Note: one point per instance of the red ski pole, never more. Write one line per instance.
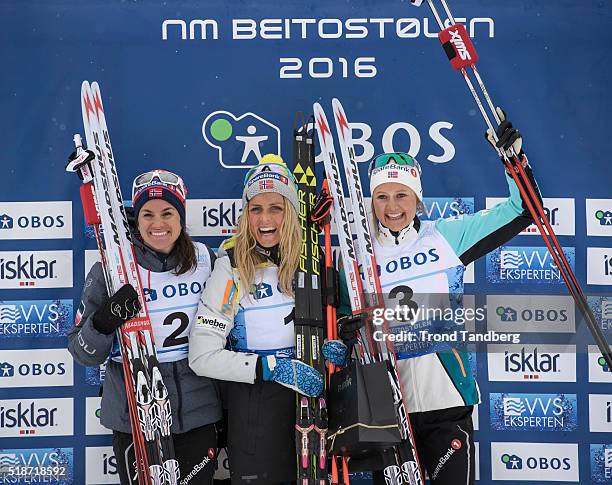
(462, 54)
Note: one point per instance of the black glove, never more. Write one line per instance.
(348, 327)
(119, 308)
(507, 136)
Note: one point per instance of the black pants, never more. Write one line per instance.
(195, 450)
(261, 433)
(445, 444)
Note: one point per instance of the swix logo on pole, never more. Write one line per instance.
(458, 46)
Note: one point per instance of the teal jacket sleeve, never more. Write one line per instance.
(472, 236)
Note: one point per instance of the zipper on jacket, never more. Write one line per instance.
(458, 357)
(179, 407)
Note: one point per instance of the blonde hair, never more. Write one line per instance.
(247, 259)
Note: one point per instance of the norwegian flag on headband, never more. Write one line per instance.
(392, 175)
(266, 184)
(155, 192)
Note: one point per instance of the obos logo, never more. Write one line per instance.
(556, 462)
(601, 463)
(545, 363)
(100, 465)
(240, 141)
(413, 261)
(24, 368)
(41, 465)
(600, 413)
(443, 207)
(531, 313)
(559, 212)
(514, 264)
(538, 412)
(36, 220)
(599, 217)
(35, 318)
(261, 291)
(599, 266)
(213, 217)
(599, 370)
(39, 417)
(40, 269)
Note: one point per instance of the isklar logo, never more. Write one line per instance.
(512, 462)
(240, 140)
(607, 265)
(604, 217)
(511, 259)
(6, 221)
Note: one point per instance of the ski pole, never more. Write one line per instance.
(461, 53)
(321, 214)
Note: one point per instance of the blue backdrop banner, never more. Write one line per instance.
(205, 88)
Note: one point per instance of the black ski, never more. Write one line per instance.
(311, 414)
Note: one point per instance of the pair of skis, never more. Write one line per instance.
(359, 265)
(462, 56)
(148, 402)
(311, 413)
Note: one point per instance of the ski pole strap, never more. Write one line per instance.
(458, 46)
(322, 206)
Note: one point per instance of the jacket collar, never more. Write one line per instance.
(387, 237)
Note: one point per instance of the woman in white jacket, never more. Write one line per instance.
(244, 329)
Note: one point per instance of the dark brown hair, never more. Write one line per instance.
(185, 253)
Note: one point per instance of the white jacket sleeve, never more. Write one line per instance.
(213, 323)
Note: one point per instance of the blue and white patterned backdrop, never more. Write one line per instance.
(202, 88)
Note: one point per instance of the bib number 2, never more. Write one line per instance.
(173, 339)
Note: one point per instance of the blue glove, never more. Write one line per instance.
(293, 374)
(335, 352)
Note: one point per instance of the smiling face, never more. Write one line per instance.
(394, 205)
(266, 214)
(159, 225)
